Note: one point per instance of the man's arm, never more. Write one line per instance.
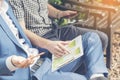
(55, 47)
(35, 39)
(4, 70)
(55, 13)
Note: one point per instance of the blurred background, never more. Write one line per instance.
(103, 15)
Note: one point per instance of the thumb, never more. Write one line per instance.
(17, 60)
(65, 42)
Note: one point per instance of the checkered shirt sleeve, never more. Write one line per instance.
(17, 9)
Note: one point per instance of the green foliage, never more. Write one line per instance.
(55, 1)
(65, 21)
(62, 21)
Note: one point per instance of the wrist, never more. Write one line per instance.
(48, 45)
(9, 64)
(58, 14)
(12, 61)
(45, 43)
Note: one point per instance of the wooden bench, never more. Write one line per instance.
(101, 17)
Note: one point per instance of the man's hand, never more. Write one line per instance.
(21, 62)
(58, 48)
(67, 14)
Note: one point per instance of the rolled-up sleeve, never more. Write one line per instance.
(3, 67)
(9, 64)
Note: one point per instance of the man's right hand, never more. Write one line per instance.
(58, 48)
(21, 62)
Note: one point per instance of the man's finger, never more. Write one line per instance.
(38, 55)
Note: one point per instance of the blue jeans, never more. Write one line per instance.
(69, 32)
(93, 55)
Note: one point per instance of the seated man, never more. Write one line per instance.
(33, 15)
(17, 54)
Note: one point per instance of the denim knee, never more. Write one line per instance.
(91, 38)
(104, 39)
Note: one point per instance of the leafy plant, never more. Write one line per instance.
(64, 21)
(55, 1)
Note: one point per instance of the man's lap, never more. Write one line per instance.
(69, 32)
(45, 73)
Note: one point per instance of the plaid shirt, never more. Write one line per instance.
(35, 14)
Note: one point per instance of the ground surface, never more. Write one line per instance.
(115, 69)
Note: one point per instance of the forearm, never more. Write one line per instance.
(53, 12)
(37, 40)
